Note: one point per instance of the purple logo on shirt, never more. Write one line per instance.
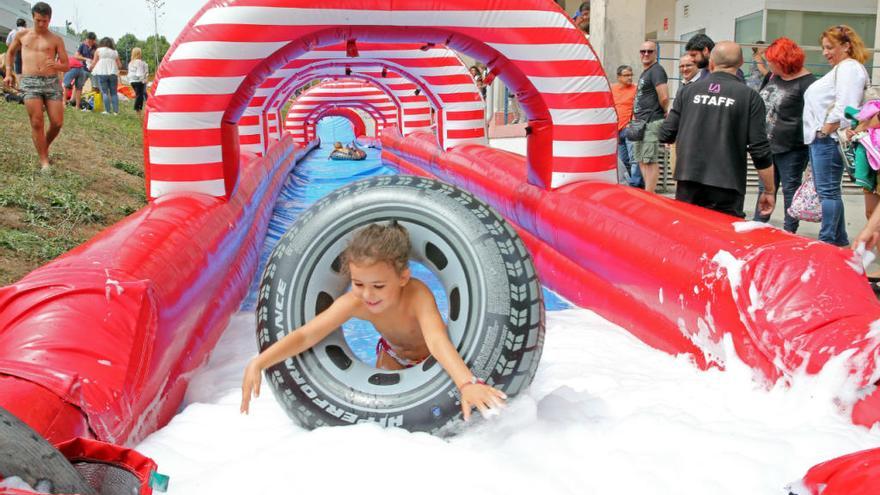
(715, 88)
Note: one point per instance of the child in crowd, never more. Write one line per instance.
(401, 308)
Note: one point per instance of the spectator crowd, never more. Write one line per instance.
(802, 132)
(37, 71)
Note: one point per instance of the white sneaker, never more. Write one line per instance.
(84, 110)
(104, 113)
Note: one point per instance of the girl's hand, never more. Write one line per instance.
(250, 384)
(828, 129)
(868, 237)
(483, 397)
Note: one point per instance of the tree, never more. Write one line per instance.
(150, 50)
(124, 46)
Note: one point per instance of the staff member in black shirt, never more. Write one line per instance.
(714, 121)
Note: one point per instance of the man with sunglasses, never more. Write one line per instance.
(652, 101)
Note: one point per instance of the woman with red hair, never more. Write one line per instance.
(783, 95)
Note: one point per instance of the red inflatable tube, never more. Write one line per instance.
(104, 338)
(677, 276)
(853, 474)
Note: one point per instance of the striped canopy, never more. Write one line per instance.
(217, 66)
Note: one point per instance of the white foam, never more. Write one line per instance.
(605, 414)
(732, 267)
(749, 226)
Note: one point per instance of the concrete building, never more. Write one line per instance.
(619, 26)
(10, 10)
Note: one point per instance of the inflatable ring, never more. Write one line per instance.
(354, 155)
(496, 307)
(25, 454)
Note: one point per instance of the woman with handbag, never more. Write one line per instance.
(824, 104)
(783, 95)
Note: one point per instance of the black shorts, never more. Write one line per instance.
(17, 63)
(728, 201)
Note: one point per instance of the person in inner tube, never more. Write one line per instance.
(400, 307)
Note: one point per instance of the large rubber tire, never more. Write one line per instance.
(496, 309)
(25, 454)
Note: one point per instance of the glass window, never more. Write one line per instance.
(805, 27)
(686, 37)
(748, 31)
(749, 28)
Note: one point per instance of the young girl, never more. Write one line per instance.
(401, 308)
(137, 77)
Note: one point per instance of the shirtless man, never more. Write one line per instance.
(43, 57)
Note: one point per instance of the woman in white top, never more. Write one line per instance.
(824, 103)
(137, 77)
(105, 67)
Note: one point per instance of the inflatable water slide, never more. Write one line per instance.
(97, 347)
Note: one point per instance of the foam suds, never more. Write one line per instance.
(606, 414)
(749, 226)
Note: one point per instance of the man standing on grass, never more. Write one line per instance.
(43, 57)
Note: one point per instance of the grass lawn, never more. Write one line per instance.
(96, 180)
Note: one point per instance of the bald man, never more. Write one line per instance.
(714, 122)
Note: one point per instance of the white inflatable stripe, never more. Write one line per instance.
(185, 85)
(581, 84)
(578, 149)
(172, 121)
(445, 89)
(466, 106)
(414, 104)
(544, 52)
(376, 56)
(210, 187)
(464, 124)
(317, 98)
(266, 91)
(185, 155)
(249, 130)
(281, 16)
(587, 116)
(225, 50)
(559, 179)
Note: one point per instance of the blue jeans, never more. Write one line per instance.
(107, 85)
(624, 156)
(827, 173)
(789, 172)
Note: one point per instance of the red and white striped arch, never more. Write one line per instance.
(358, 126)
(301, 119)
(436, 72)
(231, 47)
(338, 94)
(320, 112)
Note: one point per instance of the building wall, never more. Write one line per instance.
(10, 10)
(840, 6)
(716, 17)
(616, 32)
